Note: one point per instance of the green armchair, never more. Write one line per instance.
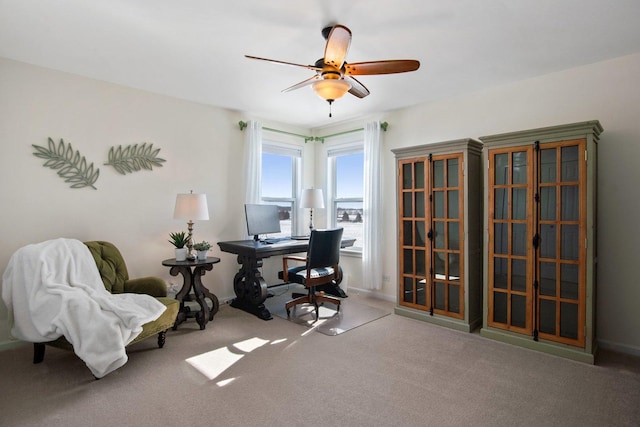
(115, 277)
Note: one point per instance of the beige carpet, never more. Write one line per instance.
(331, 321)
(395, 371)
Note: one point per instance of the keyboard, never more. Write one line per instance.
(272, 240)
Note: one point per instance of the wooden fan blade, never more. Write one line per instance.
(310, 67)
(302, 84)
(337, 46)
(381, 67)
(357, 88)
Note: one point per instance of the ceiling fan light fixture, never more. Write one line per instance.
(330, 89)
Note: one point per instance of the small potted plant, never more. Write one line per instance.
(202, 249)
(180, 240)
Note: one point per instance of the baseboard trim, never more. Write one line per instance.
(11, 344)
(457, 324)
(619, 348)
(556, 349)
(372, 293)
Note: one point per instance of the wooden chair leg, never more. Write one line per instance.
(38, 352)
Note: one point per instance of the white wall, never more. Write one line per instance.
(606, 91)
(202, 145)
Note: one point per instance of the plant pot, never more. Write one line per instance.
(202, 255)
(181, 254)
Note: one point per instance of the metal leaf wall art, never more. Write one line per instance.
(134, 157)
(72, 167)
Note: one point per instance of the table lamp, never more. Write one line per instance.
(311, 198)
(191, 207)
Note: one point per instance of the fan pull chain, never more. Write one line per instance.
(330, 102)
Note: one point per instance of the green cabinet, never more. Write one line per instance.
(439, 208)
(540, 246)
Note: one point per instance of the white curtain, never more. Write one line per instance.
(372, 250)
(253, 161)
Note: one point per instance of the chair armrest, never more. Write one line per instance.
(154, 286)
(285, 263)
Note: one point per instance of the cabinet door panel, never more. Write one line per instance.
(454, 298)
(407, 289)
(421, 292)
(519, 275)
(547, 316)
(408, 261)
(407, 176)
(569, 241)
(453, 205)
(500, 273)
(413, 237)
(569, 320)
(421, 236)
(519, 311)
(519, 239)
(407, 232)
(548, 278)
(407, 205)
(419, 203)
(511, 233)
(569, 281)
(562, 235)
(448, 213)
(419, 174)
(500, 307)
(548, 203)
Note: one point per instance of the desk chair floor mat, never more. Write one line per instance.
(331, 322)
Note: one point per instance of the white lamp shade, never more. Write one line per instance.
(191, 206)
(311, 198)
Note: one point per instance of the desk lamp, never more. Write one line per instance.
(311, 198)
(191, 207)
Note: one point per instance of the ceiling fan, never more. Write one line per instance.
(334, 76)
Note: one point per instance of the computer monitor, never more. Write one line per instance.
(262, 219)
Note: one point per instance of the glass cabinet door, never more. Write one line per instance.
(562, 229)
(413, 240)
(446, 217)
(510, 236)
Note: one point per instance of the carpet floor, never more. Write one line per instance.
(394, 371)
(331, 321)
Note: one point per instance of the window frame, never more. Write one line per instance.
(352, 147)
(270, 146)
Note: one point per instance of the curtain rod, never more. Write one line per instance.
(306, 138)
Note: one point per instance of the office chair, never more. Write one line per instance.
(321, 267)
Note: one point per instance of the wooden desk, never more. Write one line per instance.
(191, 271)
(248, 283)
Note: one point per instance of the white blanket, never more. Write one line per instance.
(54, 288)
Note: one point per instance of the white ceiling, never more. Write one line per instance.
(194, 49)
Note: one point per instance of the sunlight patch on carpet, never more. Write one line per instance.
(213, 363)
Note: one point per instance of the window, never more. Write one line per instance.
(280, 183)
(346, 184)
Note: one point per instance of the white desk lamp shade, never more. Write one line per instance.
(191, 206)
(312, 198)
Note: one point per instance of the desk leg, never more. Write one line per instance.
(250, 288)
